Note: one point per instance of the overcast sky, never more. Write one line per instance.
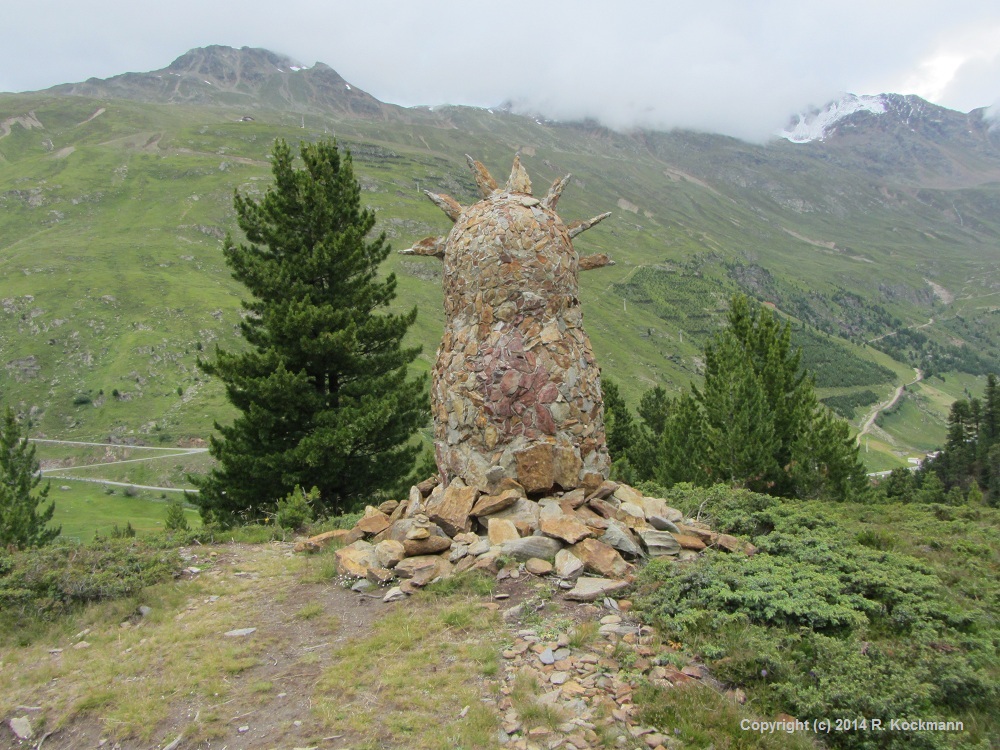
(739, 67)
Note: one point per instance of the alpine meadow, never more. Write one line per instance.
(767, 517)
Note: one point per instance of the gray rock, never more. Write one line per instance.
(568, 565)
(660, 543)
(394, 594)
(548, 507)
(479, 548)
(619, 537)
(362, 585)
(21, 727)
(523, 511)
(531, 546)
(547, 657)
(662, 524)
(239, 632)
(145, 611)
(514, 613)
(591, 589)
(617, 629)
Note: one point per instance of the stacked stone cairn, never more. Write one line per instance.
(515, 382)
(589, 539)
(518, 420)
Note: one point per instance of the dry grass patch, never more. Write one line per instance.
(418, 681)
(173, 671)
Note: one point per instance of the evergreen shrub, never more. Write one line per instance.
(822, 622)
(295, 510)
(49, 581)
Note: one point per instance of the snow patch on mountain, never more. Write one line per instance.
(814, 125)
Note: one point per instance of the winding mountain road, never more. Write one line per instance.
(879, 408)
(56, 473)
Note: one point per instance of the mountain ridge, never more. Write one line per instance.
(246, 78)
(245, 71)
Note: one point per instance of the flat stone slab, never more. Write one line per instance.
(570, 530)
(660, 543)
(591, 589)
(525, 548)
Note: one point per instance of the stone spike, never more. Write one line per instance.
(484, 180)
(578, 227)
(597, 260)
(518, 182)
(446, 203)
(550, 200)
(432, 246)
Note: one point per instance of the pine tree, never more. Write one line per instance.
(683, 453)
(22, 524)
(740, 426)
(989, 432)
(644, 454)
(756, 421)
(175, 520)
(619, 426)
(955, 464)
(322, 391)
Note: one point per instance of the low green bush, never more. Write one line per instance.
(345, 521)
(830, 620)
(49, 581)
(295, 510)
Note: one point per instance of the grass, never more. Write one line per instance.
(409, 681)
(177, 652)
(583, 634)
(915, 422)
(700, 717)
(405, 679)
(86, 509)
(524, 695)
(471, 583)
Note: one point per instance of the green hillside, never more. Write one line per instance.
(112, 213)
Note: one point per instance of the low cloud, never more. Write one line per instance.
(726, 66)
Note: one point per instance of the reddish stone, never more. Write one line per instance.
(601, 559)
(535, 467)
(568, 529)
(689, 542)
(545, 421)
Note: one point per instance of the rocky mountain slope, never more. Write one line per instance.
(115, 194)
(249, 79)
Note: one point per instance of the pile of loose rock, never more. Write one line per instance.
(591, 539)
(589, 684)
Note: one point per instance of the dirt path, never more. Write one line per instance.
(265, 678)
(116, 446)
(879, 408)
(930, 322)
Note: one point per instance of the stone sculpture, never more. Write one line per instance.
(516, 392)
